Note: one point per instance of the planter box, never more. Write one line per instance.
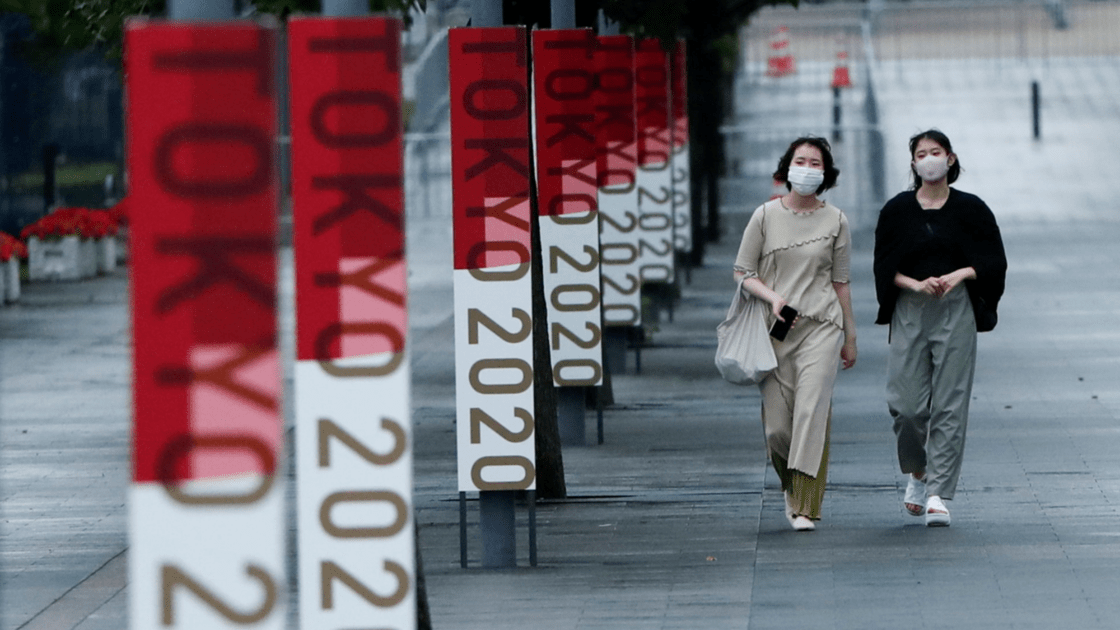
(54, 259)
(106, 254)
(10, 273)
(88, 253)
(122, 246)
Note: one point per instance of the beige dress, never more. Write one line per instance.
(799, 256)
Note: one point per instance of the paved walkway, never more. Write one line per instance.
(675, 521)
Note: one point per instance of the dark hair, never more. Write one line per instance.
(830, 170)
(941, 139)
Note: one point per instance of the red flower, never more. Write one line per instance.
(11, 246)
(81, 222)
(119, 212)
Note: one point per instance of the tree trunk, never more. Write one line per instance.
(706, 91)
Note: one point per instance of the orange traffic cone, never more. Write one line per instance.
(841, 78)
(780, 62)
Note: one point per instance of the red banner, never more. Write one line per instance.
(616, 140)
(565, 82)
(206, 505)
(494, 367)
(351, 378)
(490, 146)
(615, 126)
(201, 119)
(565, 89)
(347, 187)
(680, 96)
(651, 79)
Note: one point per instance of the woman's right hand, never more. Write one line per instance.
(929, 286)
(776, 306)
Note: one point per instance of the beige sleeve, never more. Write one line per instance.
(841, 253)
(750, 249)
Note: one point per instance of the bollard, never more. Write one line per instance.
(836, 113)
(570, 405)
(499, 535)
(615, 340)
(1035, 102)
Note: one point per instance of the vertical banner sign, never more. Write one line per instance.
(206, 506)
(564, 89)
(353, 428)
(655, 176)
(493, 308)
(617, 150)
(682, 181)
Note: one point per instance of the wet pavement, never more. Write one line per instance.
(675, 521)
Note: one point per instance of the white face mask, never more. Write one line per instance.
(804, 180)
(932, 168)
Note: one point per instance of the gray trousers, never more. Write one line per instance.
(930, 368)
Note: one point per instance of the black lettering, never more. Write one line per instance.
(655, 104)
(362, 279)
(258, 61)
(573, 170)
(502, 213)
(476, 253)
(559, 84)
(519, 47)
(611, 176)
(329, 334)
(387, 44)
(510, 86)
(215, 265)
(616, 80)
(356, 198)
(616, 115)
(588, 42)
(615, 149)
(223, 376)
(221, 136)
(557, 203)
(570, 125)
(497, 153)
(343, 140)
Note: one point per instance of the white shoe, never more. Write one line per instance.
(789, 508)
(803, 524)
(915, 495)
(937, 515)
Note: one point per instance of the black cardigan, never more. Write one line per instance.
(975, 239)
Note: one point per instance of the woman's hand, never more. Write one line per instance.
(776, 305)
(848, 353)
(929, 286)
(949, 281)
(755, 287)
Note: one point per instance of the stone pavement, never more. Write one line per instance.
(676, 521)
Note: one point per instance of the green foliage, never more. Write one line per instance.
(78, 24)
(707, 21)
(284, 8)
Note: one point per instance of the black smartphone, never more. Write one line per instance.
(780, 328)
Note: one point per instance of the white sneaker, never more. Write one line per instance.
(803, 524)
(937, 515)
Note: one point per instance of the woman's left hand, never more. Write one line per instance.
(848, 353)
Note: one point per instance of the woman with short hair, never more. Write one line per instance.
(939, 275)
(795, 251)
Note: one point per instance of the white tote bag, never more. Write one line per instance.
(744, 354)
